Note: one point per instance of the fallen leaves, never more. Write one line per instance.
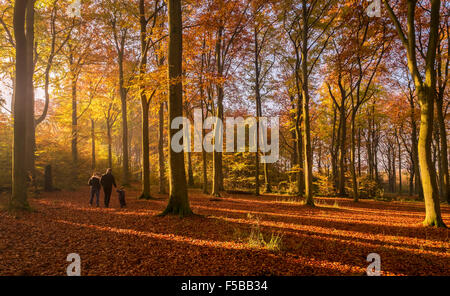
(326, 240)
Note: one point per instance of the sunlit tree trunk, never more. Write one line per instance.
(178, 200)
(305, 109)
(74, 79)
(202, 97)
(109, 140)
(217, 184)
(123, 100)
(342, 147)
(399, 163)
(353, 158)
(425, 89)
(427, 170)
(258, 105)
(144, 104)
(414, 152)
(204, 161)
(93, 166)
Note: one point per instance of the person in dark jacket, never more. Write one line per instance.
(94, 183)
(107, 182)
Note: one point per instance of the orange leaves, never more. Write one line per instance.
(326, 240)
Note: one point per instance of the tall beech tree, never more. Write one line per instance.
(230, 21)
(425, 83)
(18, 198)
(146, 42)
(178, 195)
(309, 31)
(121, 34)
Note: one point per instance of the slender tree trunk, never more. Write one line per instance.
(342, 150)
(217, 185)
(190, 171)
(144, 105)
(359, 152)
(427, 170)
(258, 107)
(298, 132)
(394, 170)
(93, 166)
(414, 152)
(299, 147)
(18, 198)
(109, 137)
(399, 164)
(31, 138)
(178, 200)
(204, 161)
(202, 96)
(353, 158)
(123, 100)
(305, 109)
(162, 164)
(145, 151)
(334, 150)
(74, 127)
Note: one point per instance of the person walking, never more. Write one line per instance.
(94, 183)
(108, 182)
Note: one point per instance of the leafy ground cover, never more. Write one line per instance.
(235, 235)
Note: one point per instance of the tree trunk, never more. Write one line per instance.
(74, 128)
(258, 106)
(217, 185)
(144, 105)
(123, 100)
(204, 163)
(353, 159)
(109, 139)
(425, 89)
(415, 153)
(145, 151)
(305, 109)
(93, 166)
(190, 172)
(162, 164)
(178, 200)
(202, 96)
(342, 150)
(399, 164)
(359, 152)
(427, 170)
(31, 137)
(19, 165)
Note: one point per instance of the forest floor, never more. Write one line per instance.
(334, 238)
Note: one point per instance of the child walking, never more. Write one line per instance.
(121, 192)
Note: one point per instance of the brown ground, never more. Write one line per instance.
(332, 239)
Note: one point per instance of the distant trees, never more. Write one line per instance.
(335, 76)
